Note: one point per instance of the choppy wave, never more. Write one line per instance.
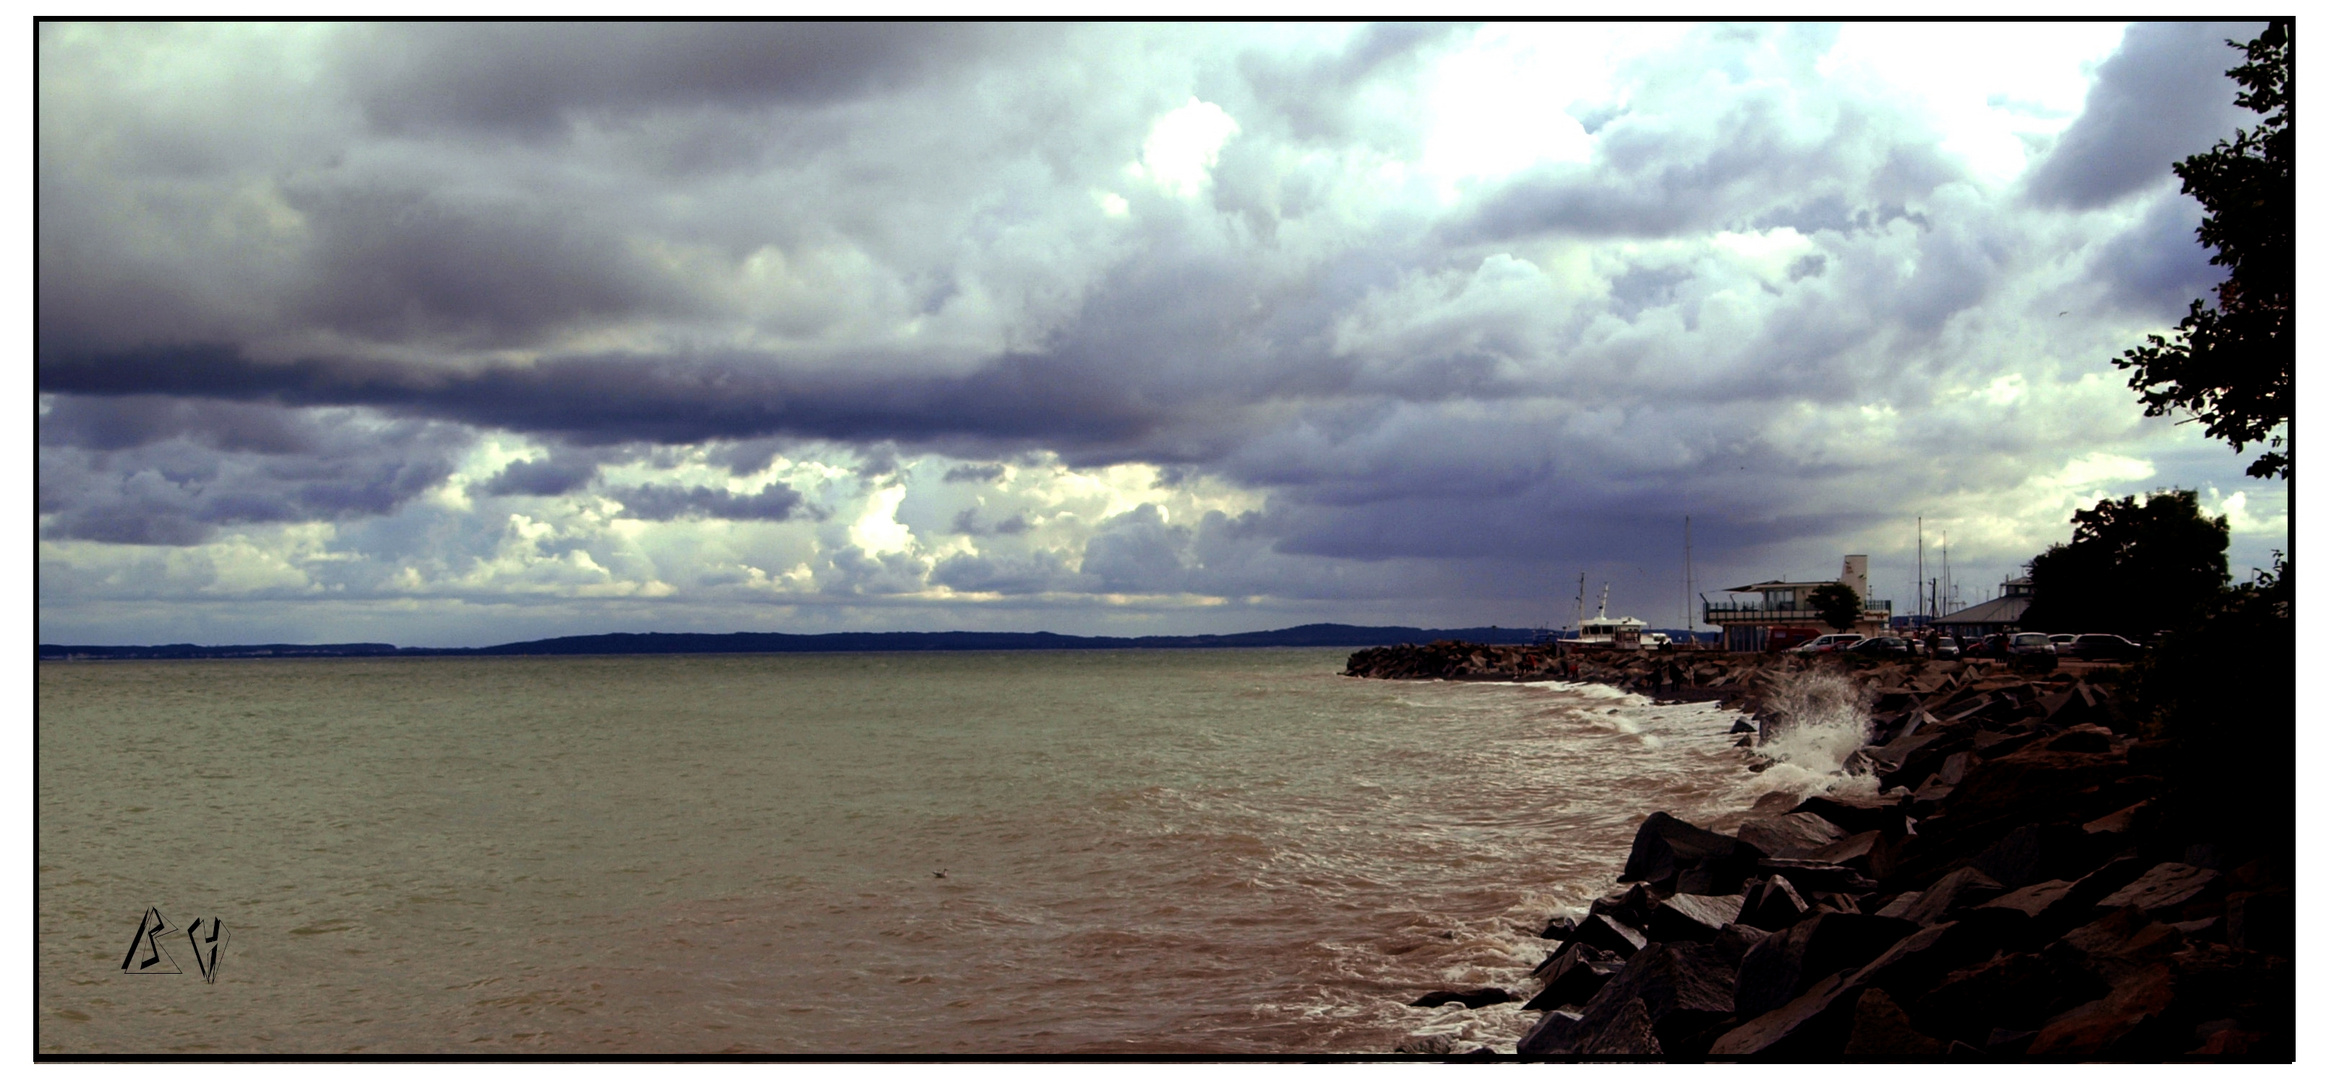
(1002, 853)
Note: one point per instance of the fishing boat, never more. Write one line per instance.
(1603, 632)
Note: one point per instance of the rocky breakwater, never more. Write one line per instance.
(1686, 675)
(2000, 887)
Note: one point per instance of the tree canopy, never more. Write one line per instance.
(1837, 604)
(2131, 568)
(2231, 366)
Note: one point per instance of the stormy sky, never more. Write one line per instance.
(452, 335)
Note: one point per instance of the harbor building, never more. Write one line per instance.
(1778, 614)
(1998, 616)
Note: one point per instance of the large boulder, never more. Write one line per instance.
(2013, 991)
(1776, 970)
(1471, 998)
(2126, 1024)
(1774, 904)
(1962, 888)
(2163, 891)
(1572, 975)
(1611, 934)
(1812, 1026)
(1666, 845)
(1791, 836)
(1687, 917)
(1682, 988)
(1880, 1029)
(1817, 875)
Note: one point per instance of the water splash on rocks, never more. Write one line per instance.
(1811, 724)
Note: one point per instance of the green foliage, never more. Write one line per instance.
(1837, 604)
(2232, 365)
(2222, 691)
(2131, 568)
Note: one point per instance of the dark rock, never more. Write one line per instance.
(2014, 990)
(1816, 876)
(1962, 888)
(1897, 906)
(1572, 975)
(2123, 1024)
(2165, 888)
(2082, 739)
(1791, 836)
(1686, 917)
(1714, 878)
(1476, 997)
(2115, 945)
(1627, 1030)
(1814, 1025)
(1855, 851)
(1773, 905)
(1439, 1045)
(1741, 727)
(2029, 784)
(1631, 906)
(1735, 940)
(1610, 934)
(1666, 845)
(2032, 853)
(1684, 986)
(1777, 968)
(1880, 1029)
(1560, 928)
(1918, 961)
(2125, 822)
(1553, 1030)
(2261, 921)
(1854, 814)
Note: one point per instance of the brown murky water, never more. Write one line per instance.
(1141, 852)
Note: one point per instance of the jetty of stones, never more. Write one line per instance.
(2011, 893)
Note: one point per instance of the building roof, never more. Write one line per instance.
(1767, 586)
(2004, 610)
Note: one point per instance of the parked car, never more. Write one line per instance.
(2033, 650)
(2104, 647)
(1882, 646)
(1830, 642)
(1992, 646)
(1945, 648)
(2061, 642)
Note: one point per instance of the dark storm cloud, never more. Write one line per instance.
(2160, 98)
(2156, 267)
(985, 474)
(533, 78)
(556, 474)
(671, 502)
(603, 399)
(409, 265)
(173, 475)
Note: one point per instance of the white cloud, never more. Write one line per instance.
(1183, 146)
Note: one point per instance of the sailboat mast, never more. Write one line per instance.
(1687, 576)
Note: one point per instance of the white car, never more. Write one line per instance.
(1830, 642)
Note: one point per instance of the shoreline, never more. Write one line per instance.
(2010, 894)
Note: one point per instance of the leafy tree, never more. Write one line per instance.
(2131, 568)
(1837, 604)
(2232, 366)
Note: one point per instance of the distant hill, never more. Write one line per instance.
(1313, 635)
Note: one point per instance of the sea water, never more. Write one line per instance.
(1146, 852)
